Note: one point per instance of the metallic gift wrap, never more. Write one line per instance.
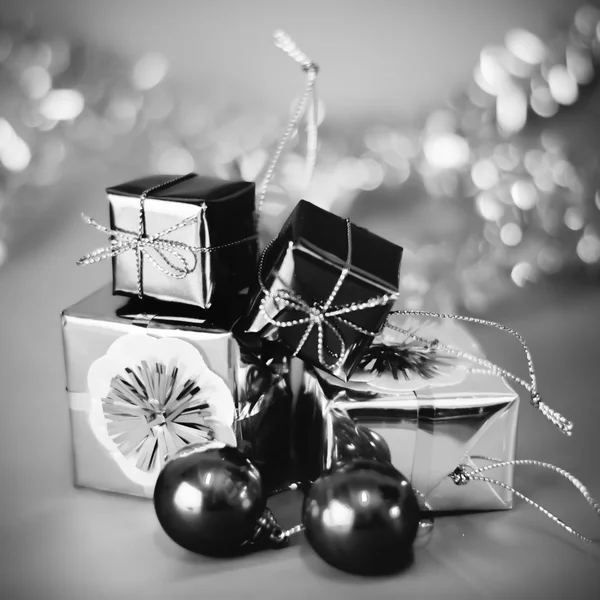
(224, 224)
(260, 390)
(429, 431)
(301, 273)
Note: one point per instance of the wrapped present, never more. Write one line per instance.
(141, 385)
(428, 420)
(186, 239)
(325, 289)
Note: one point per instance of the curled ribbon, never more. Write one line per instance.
(321, 315)
(463, 474)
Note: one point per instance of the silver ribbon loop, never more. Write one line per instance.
(464, 474)
(564, 425)
(180, 258)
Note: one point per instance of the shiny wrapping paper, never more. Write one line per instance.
(260, 391)
(430, 430)
(225, 215)
(307, 259)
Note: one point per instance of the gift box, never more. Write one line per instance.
(143, 383)
(325, 289)
(200, 242)
(428, 426)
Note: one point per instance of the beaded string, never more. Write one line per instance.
(285, 42)
(563, 424)
(464, 474)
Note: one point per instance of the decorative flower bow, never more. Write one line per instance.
(155, 396)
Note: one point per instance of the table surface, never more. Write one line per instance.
(60, 542)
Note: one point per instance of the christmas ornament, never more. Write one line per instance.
(210, 500)
(152, 397)
(362, 518)
(352, 441)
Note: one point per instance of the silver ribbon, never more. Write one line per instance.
(322, 315)
(463, 474)
(487, 367)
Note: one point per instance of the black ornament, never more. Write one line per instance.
(362, 517)
(210, 500)
(352, 441)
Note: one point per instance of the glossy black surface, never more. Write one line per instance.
(320, 250)
(351, 441)
(209, 501)
(362, 518)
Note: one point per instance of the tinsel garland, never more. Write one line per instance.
(523, 200)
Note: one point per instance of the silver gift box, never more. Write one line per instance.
(430, 426)
(223, 220)
(93, 325)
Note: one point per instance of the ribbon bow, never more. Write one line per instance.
(180, 259)
(319, 314)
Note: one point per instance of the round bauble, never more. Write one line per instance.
(209, 499)
(352, 441)
(362, 517)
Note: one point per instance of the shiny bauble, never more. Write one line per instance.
(209, 499)
(362, 517)
(351, 441)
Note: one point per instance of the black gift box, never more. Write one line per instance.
(223, 222)
(304, 263)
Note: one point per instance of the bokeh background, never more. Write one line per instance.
(465, 130)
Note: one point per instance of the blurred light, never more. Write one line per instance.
(580, 65)
(597, 199)
(491, 75)
(574, 218)
(586, 18)
(440, 121)
(488, 207)
(374, 174)
(446, 151)
(395, 510)
(403, 145)
(338, 516)
(506, 156)
(543, 103)
(524, 194)
(511, 109)
(511, 234)
(150, 70)
(525, 46)
(484, 174)
(563, 173)
(533, 160)
(36, 81)
(188, 498)
(550, 260)
(175, 160)
(563, 85)
(588, 248)
(378, 139)
(61, 56)
(551, 141)
(522, 273)
(543, 180)
(62, 105)
(15, 154)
